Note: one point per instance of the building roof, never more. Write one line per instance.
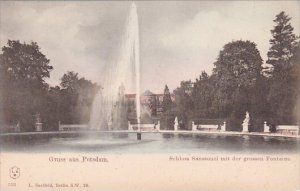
(148, 93)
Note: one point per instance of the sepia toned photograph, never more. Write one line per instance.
(164, 86)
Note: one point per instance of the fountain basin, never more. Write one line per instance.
(124, 142)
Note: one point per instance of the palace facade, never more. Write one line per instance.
(150, 103)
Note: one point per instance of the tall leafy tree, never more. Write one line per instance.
(238, 70)
(51, 109)
(23, 71)
(184, 102)
(295, 76)
(283, 88)
(202, 95)
(70, 81)
(77, 96)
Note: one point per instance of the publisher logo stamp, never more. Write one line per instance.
(14, 172)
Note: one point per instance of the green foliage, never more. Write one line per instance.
(24, 63)
(23, 69)
(238, 84)
(202, 96)
(151, 103)
(76, 97)
(238, 65)
(283, 44)
(167, 106)
(24, 93)
(238, 71)
(283, 82)
(167, 101)
(184, 103)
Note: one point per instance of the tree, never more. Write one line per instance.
(23, 70)
(167, 101)
(51, 110)
(238, 70)
(70, 81)
(25, 62)
(77, 95)
(295, 78)
(184, 103)
(167, 117)
(202, 95)
(152, 104)
(283, 86)
(283, 44)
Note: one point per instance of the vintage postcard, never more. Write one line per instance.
(149, 95)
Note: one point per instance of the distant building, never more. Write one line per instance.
(149, 101)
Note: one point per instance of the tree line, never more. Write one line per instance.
(25, 94)
(241, 82)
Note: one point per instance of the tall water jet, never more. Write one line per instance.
(125, 71)
(136, 54)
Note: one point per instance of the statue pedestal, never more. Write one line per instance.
(130, 128)
(245, 127)
(176, 124)
(266, 128)
(223, 127)
(246, 123)
(38, 122)
(158, 126)
(38, 127)
(194, 127)
(176, 127)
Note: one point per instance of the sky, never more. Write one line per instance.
(178, 39)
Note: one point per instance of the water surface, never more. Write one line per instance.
(158, 143)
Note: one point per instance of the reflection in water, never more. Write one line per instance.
(167, 135)
(119, 143)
